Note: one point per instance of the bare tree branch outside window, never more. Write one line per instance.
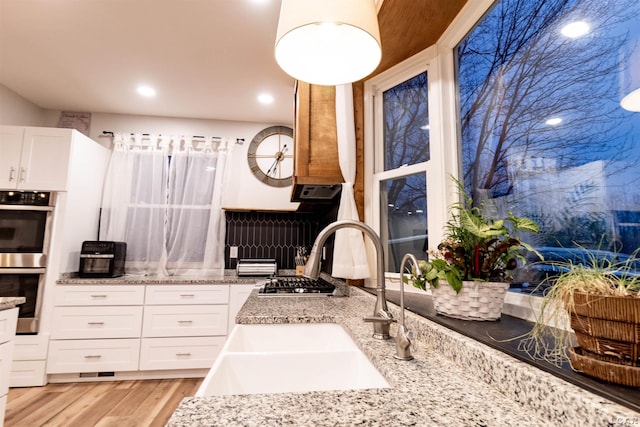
(542, 130)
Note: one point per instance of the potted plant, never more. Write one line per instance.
(469, 272)
(599, 298)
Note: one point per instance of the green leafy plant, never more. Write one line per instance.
(476, 247)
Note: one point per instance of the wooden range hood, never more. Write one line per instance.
(406, 27)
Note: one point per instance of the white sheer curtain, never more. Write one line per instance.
(163, 197)
(349, 256)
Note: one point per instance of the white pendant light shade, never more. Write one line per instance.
(328, 42)
(631, 102)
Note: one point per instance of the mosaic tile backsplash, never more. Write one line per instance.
(270, 235)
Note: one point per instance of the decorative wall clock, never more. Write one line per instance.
(270, 156)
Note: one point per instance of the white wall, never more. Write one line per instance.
(15, 110)
(241, 189)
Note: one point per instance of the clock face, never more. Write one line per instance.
(270, 156)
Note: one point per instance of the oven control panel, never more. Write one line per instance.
(30, 198)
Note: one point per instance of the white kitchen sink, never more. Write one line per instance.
(289, 337)
(289, 358)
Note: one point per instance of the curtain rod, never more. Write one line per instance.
(238, 140)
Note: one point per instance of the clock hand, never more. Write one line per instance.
(272, 168)
(279, 157)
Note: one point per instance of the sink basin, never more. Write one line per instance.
(289, 337)
(286, 358)
(251, 373)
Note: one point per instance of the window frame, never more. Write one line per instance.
(444, 129)
(374, 147)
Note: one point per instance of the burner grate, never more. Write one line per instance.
(296, 286)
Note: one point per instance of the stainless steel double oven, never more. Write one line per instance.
(25, 232)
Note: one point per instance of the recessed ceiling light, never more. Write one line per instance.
(554, 121)
(147, 91)
(575, 29)
(265, 98)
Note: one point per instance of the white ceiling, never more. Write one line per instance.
(206, 58)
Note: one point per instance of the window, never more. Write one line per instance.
(164, 201)
(542, 130)
(400, 156)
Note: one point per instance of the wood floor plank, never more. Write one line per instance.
(186, 387)
(40, 407)
(136, 394)
(142, 403)
(156, 401)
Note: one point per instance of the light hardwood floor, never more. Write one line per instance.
(114, 403)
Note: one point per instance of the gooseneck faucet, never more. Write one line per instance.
(381, 318)
(403, 343)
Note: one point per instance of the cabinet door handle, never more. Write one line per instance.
(95, 323)
(185, 322)
(12, 171)
(93, 356)
(23, 171)
(183, 354)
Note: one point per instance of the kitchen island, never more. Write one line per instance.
(8, 320)
(453, 380)
(7, 303)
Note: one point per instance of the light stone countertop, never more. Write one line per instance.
(229, 278)
(7, 303)
(453, 380)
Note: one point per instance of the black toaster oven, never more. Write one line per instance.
(102, 259)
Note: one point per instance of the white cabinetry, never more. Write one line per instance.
(8, 319)
(72, 165)
(237, 297)
(184, 326)
(140, 331)
(95, 329)
(35, 158)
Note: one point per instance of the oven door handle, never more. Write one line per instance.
(5, 270)
(26, 208)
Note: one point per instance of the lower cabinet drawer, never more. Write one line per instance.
(96, 322)
(184, 320)
(8, 319)
(70, 356)
(6, 353)
(28, 373)
(179, 353)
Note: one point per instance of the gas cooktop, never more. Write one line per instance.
(296, 286)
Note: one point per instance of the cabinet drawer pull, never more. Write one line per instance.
(95, 323)
(93, 356)
(183, 354)
(98, 296)
(186, 322)
(187, 295)
(12, 171)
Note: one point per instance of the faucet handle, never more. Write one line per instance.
(384, 320)
(403, 343)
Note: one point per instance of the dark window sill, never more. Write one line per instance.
(500, 334)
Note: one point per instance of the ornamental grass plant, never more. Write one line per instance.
(551, 338)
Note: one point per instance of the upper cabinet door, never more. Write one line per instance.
(10, 149)
(44, 163)
(34, 158)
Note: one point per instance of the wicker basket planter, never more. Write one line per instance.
(581, 361)
(607, 325)
(607, 329)
(476, 300)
